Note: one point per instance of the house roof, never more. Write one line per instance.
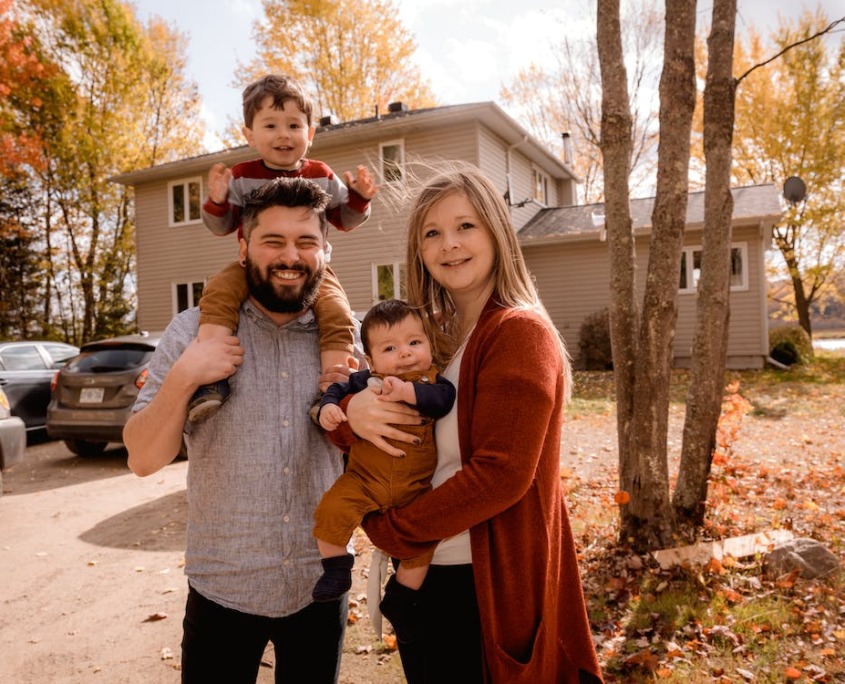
(362, 130)
(753, 203)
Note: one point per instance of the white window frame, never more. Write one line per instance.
(185, 184)
(540, 182)
(396, 267)
(688, 256)
(192, 299)
(400, 144)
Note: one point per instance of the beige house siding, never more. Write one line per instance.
(573, 280)
(571, 266)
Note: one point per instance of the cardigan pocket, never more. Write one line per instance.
(526, 668)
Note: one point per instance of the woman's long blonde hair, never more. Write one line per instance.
(514, 285)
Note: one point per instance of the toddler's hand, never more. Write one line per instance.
(218, 183)
(364, 183)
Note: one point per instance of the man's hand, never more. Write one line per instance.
(218, 183)
(337, 372)
(331, 415)
(364, 183)
(205, 362)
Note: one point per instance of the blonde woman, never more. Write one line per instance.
(502, 601)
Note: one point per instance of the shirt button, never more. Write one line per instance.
(286, 518)
(284, 374)
(286, 562)
(286, 470)
(285, 423)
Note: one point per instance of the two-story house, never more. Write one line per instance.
(563, 243)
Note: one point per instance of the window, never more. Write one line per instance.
(187, 295)
(392, 156)
(184, 202)
(691, 268)
(389, 281)
(22, 358)
(539, 187)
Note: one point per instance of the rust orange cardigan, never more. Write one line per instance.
(510, 411)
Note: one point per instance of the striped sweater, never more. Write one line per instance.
(346, 210)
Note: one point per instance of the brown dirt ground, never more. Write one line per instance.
(91, 585)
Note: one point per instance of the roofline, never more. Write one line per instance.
(764, 221)
(488, 112)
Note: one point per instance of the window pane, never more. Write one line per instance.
(683, 283)
(403, 279)
(194, 200)
(178, 192)
(197, 293)
(181, 297)
(23, 358)
(391, 162)
(385, 282)
(696, 267)
(737, 267)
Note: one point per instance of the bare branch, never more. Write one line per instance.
(826, 29)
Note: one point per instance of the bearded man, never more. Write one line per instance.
(258, 466)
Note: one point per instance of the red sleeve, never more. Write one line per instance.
(342, 436)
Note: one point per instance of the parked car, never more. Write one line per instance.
(93, 394)
(26, 371)
(12, 437)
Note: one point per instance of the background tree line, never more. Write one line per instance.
(89, 92)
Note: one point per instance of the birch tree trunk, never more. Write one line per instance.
(616, 148)
(704, 397)
(648, 521)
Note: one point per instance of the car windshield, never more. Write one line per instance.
(106, 360)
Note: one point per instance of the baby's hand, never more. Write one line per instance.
(331, 416)
(364, 183)
(394, 389)
(218, 183)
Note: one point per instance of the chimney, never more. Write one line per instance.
(567, 147)
(329, 120)
(395, 107)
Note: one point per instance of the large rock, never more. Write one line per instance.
(808, 556)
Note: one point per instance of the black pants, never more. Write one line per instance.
(449, 647)
(224, 645)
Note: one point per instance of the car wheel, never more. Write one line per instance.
(82, 447)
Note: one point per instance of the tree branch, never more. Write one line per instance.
(827, 29)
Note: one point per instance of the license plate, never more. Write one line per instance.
(91, 395)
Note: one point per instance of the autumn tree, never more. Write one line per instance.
(710, 342)
(642, 340)
(789, 122)
(127, 105)
(350, 57)
(567, 97)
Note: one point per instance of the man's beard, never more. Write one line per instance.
(280, 298)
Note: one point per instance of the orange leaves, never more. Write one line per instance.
(792, 673)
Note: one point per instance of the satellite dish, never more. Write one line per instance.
(794, 189)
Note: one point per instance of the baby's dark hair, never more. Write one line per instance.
(386, 313)
(285, 192)
(281, 89)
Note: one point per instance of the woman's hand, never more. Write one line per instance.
(374, 420)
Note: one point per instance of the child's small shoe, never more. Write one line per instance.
(207, 399)
(399, 605)
(336, 579)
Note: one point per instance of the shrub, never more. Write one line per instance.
(790, 344)
(594, 342)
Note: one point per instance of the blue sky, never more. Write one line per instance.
(466, 49)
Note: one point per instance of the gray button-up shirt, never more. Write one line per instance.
(256, 468)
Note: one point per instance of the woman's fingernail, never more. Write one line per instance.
(417, 441)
